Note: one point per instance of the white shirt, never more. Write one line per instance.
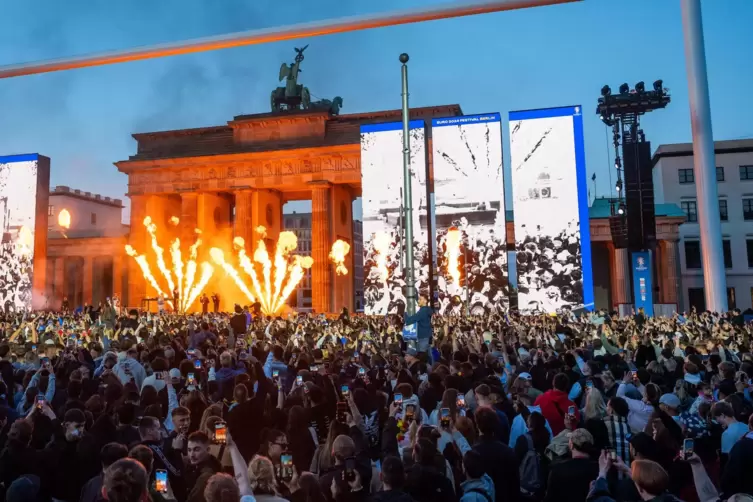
(640, 412)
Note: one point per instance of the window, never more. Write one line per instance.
(723, 215)
(731, 300)
(94, 218)
(686, 176)
(749, 246)
(748, 209)
(50, 210)
(719, 173)
(692, 254)
(690, 208)
(727, 251)
(697, 299)
(746, 173)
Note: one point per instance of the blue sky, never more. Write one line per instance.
(534, 58)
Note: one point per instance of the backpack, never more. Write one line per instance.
(530, 470)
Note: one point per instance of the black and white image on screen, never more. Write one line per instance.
(18, 190)
(382, 202)
(546, 212)
(470, 214)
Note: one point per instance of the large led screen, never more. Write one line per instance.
(469, 201)
(550, 205)
(18, 209)
(382, 200)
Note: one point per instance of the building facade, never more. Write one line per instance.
(674, 182)
(85, 256)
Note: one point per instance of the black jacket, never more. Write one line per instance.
(390, 496)
(570, 480)
(502, 466)
(427, 484)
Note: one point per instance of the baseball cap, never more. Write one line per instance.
(670, 400)
(411, 352)
(581, 438)
(175, 374)
(525, 376)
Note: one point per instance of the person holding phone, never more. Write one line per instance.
(555, 404)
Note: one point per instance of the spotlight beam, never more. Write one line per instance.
(276, 34)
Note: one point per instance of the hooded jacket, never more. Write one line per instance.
(472, 487)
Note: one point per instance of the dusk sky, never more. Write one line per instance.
(535, 58)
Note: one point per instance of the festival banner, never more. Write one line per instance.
(642, 281)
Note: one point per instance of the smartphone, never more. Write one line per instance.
(220, 433)
(314, 368)
(589, 384)
(361, 372)
(286, 467)
(40, 400)
(342, 409)
(345, 391)
(34, 348)
(571, 411)
(687, 448)
(461, 401)
(325, 354)
(158, 375)
(191, 380)
(45, 361)
(350, 469)
(197, 364)
(399, 399)
(410, 411)
(299, 380)
(160, 478)
(275, 374)
(444, 415)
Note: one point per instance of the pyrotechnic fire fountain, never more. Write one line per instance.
(185, 274)
(273, 279)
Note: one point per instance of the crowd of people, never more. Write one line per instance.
(229, 407)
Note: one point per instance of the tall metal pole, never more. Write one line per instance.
(704, 165)
(410, 279)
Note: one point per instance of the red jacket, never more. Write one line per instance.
(554, 405)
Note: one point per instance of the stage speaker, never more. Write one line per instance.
(639, 195)
(618, 228)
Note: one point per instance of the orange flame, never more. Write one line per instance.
(64, 219)
(340, 250)
(452, 253)
(25, 241)
(185, 272)
(219, 258)
(381, 244)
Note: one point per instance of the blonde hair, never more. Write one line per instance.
(595, 406)
(261, 475)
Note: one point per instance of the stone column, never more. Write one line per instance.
(59, 281)
(243, 225)
(341, 218)
(670, 283)
(137, 238)
(621, 277)
(88, 279)
(117, 276)
(188, 218)
(321, 290)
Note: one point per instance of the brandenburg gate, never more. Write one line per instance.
(228, 180)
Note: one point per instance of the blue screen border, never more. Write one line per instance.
(390, 126)
(576, 112)
(24, 157)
